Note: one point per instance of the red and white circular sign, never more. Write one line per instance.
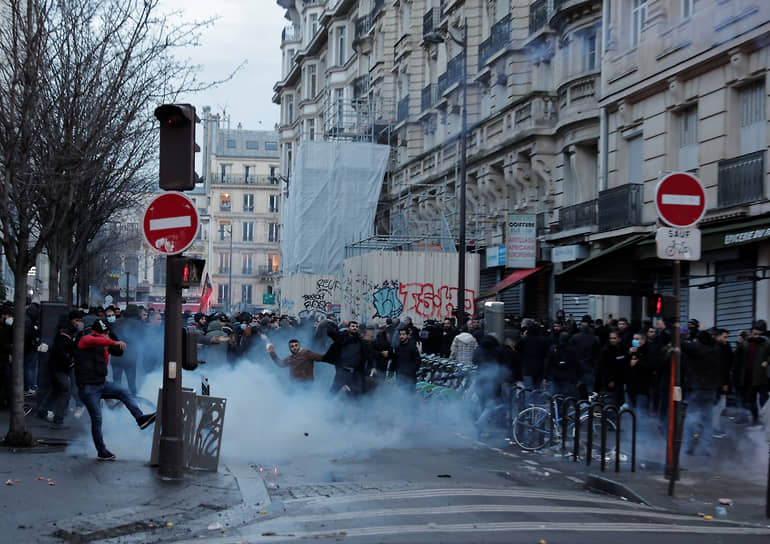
(170, 223)
(680, 199)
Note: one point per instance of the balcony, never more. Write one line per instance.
(453, 74)
(361, 86)
(499, 39)
(290, 33)
(430, 22)
(577, 215)
(620, 207)
(403, 109)
(306, 3)
(428, 97)
(538, 15)
(578, 91)
(363, 26)
(741, 180)
(240, 179)
(264, 270)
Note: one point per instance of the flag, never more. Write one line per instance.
(206, 295)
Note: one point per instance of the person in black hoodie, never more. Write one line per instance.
(639, 375)
(704, 378)
(349, 355)
(611, 369)
(562, 367)
(406, 361)
(533, 348)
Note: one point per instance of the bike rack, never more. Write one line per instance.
(554, 400)
(576, 440)
(605, 410)
(563, 409)
(633, 439)
(590, 439)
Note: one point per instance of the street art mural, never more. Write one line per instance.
(386, 300)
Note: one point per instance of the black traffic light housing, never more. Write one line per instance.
(177, 146)
(187, 272)
(189, 350)
(662, 306)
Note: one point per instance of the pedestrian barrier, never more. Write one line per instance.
(565, 420)
(593, 408)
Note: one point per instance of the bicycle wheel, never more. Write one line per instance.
(531, 428)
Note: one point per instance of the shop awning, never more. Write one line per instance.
(612, 271)
(513, 279)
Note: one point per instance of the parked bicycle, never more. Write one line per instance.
(536, 427)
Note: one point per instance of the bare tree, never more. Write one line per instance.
(79, 81)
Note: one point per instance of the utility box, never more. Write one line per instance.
(494, 319)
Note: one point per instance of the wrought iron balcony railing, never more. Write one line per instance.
(430, 21)
(577, 215)
(499, 38)
(538, 15)
(620, 206)
(363, 25)
(236, 179)
(428, 97)
(403, 109)
(741, 180)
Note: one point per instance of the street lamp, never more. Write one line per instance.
(230, 272)
(436, 38)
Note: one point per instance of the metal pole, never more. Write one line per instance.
(463, 156)
(675, 391)
(128, 277)
(170, 450)
(230, 271)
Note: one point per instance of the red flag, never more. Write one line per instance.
(206, 295)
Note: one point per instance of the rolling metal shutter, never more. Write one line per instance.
(734, 297)
(577, 305)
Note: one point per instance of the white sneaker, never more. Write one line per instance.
(79, 411)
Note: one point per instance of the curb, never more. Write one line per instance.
(600, 484)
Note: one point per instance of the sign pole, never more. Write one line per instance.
(675, 390)
(170, 449)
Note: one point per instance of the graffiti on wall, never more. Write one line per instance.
(386, 300)
(427, 301)
(323, 295)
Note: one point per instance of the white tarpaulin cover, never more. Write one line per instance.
(333, 194)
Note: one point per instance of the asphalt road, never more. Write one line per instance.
(467, 493)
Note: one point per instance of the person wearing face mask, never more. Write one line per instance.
(639, 374)
(60, 364)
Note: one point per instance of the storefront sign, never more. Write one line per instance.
(521, 242)
(565, 254)
(495, 256)
(747, 236)
(678, 244)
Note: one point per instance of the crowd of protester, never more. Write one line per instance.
(628, 364)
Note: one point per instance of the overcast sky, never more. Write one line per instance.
(247, 30)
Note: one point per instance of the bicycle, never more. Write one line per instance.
(535, 428)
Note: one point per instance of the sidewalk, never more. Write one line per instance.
(88, 499)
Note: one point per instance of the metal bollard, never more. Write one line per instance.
(564, 422)
(555, 401)
(576, 439)
(605, 410)
(633, 440)
(590, 433)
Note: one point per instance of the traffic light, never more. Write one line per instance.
(188, 272)
(177, 146)
(662, 306)
(189, 350)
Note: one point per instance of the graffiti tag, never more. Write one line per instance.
(429, 302)
(386, 301)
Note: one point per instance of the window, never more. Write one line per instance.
(224, 263)
(311, 129)
(271, 146)
(273, 232)
(634, 158)
(224, 231)
(589, 51)
(246, 172)
(688, 139)
(248, 262)
(341, 53)
(248, 231)
(312, 81)
(273, 261)
(289, 159)
(273, 205)
(339, 99)
(231, 144)
(248, 203)
(223, 293)
(246, 294)
(289, 109)
(313, 24)
(752, 131)
(638, 17)
(223, 173)
(687, 8)
(252, 144)
(224, 202)
(273, 178)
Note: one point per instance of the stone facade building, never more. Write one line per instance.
(575, 109)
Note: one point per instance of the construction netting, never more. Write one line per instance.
(333, 194)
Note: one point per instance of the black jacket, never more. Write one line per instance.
(348, 351)
(612, 367)
(562, 365)
(62, 357)
(533, 349)
(406, 361)
(703, 368)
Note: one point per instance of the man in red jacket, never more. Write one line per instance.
(91, 371)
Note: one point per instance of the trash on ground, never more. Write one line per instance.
(726, 502)
(9, 482)
(51, 482)
(444, 475)
(214, 526)
(708, 518)
(721, 511)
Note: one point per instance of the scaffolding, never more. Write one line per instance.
(360, 119)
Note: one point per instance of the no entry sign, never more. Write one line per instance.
(680, 199)
(170, 223)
